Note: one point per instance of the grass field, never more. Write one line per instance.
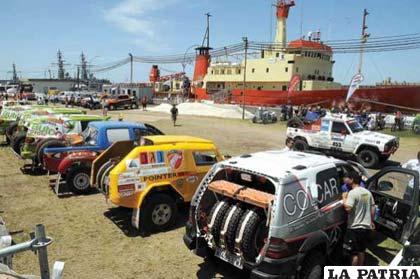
(95, 239)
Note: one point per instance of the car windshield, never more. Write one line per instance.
(355, 126)
(90, 136)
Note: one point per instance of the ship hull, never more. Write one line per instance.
(385, 99)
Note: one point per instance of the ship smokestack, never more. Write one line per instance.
(154, 74)
(283, 7)
(202, 62)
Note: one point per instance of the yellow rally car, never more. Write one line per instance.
(154, 177)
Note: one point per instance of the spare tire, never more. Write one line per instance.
(229, 224)
(18, 142)
(47, 144)
(215, 219)
(295, 122)
(102, 175)
(251, 233)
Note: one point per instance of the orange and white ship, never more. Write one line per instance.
(298, 73)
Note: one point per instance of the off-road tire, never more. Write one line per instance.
(148, 209)
(215, 219)
(47, 144)
(312, 266)
(18, 142)
(254, 119)
(246, 233)
(300, 145)
(368, 158)
(231, 225)
(295, 122)
(79, 174)
(102, 175)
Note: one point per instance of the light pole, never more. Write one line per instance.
(131, 68)
(245, 39)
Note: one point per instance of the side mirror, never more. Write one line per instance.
(385, 186)
(412, 251)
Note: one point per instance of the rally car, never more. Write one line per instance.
(288, 221)
(343, 136)
(157, 176)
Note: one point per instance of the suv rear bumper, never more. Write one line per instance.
(267, 269)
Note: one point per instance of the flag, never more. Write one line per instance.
(354, 85)
(294, 83)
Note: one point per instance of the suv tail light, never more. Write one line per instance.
(277, 249)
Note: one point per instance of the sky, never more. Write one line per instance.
(31, 32)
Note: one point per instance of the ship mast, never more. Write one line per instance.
(364, 38)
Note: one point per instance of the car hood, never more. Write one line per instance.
(369, 135)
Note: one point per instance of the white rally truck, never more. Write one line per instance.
(340, 135)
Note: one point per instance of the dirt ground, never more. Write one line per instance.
(95, 239)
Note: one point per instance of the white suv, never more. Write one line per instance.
(342, 135)
(275, 213)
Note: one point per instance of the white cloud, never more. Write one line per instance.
(137, 16)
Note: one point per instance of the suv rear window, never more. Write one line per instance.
(114, 135)
(248, 180)
(204, 158)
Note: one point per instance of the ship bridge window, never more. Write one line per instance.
(229, 72)
(223, 72)
(253, 70)
(267, 70)
(284, 87)
(238, 71)
(277, 54)
(297, 69)
(286, 69)
(212, 72)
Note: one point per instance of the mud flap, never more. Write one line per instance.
(59, 186)
(135, 218)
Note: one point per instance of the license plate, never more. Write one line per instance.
(229, 257)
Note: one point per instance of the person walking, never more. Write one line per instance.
(289, 145)
(174, 113)
(360, 207)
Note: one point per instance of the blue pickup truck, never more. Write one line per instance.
(73, 163)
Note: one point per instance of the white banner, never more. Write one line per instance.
(371, 272)
(354, 85)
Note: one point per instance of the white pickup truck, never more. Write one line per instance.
(342, 135)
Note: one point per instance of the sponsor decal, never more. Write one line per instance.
(154, 171)
(371, 272)
(175, 158)
(156, 177)
(191, 179)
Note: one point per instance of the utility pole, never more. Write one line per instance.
(78, 78)
(131, 68)
(245, 39)
(364, 38)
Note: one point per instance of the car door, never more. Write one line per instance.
(339, 136)
(396, 194)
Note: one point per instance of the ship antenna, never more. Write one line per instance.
(206, 38)
(364, 38)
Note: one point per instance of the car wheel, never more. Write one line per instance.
(229, 224)
(300, 145)
(47, 144)
(215, 219)
(11, 130)
(78, 179)
(368, 158)
(251, 233)
(159, 212)
(18, 142)
(313, 266)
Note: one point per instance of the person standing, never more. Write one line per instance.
(413, 164)
(360, 207)
(289, 145)
(144, 102)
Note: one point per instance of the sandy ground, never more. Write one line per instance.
(95, 239)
